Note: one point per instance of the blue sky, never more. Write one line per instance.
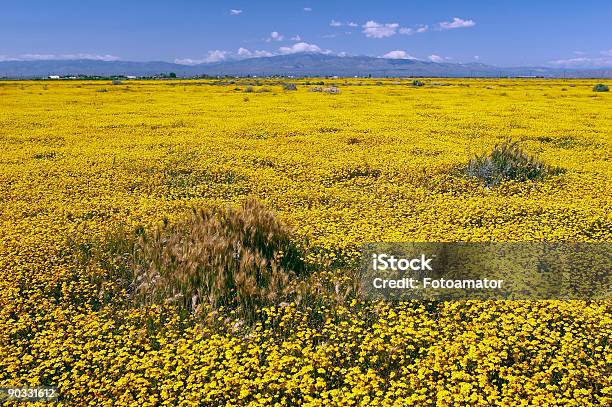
(505, 33)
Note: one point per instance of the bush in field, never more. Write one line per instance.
(600, 87)
(242, 259)
(331, 89)
(508, 161)
(289, 86)
(117, 82)
(418, 83)
(248, 89)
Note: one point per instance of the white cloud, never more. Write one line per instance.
(296, 38)
(243, 52)
(570, 61)
(219, 55)
(398, 54)
(59, 57)
(411, 31)
(216, 56)
(259, 54)
(476, 57)
(583, 62)
(436, 58)
(188, 61)
(235, 12)
(335, 23)
(337, 33)
(307, 9)
(275, 36)
(372, 29)
(213, 56)
(302, 47)
(246, 53)
(456, 23)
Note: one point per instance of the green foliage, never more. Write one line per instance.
(289, 86)
(600, 87)
(508, 161)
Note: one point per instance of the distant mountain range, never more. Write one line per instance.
(303, 64)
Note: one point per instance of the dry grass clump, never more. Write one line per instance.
(329, 89)
(506, 162)
(240, 258)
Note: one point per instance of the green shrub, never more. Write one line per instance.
(508, 161)
(600, 87)
(289, 86)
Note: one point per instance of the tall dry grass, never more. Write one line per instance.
(241, 258)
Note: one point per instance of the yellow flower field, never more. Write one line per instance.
(380, 161)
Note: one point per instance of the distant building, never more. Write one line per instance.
(54, 76)
(131, 77)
